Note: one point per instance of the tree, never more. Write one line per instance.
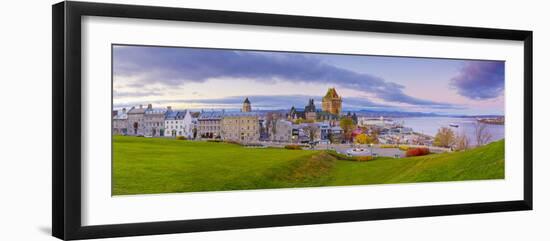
(346, 123)
(462, 142)
(311, 131)
(361, 139)
(445, 137)
(374, 137)
(271, 123)
(482, 135)
(366, 139)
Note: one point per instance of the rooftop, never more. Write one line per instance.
(211, 115)
(154, 111)
(331, 93)
(136, 111)
(241, 114)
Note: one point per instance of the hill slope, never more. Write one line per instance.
(486, 162)
(151, 165)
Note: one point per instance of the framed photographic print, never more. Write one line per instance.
(170, 120)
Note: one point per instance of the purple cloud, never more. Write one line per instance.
(480, 80)
(177, 66)
(268, 102)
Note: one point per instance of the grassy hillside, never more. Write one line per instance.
(150, 165)
(486, 162)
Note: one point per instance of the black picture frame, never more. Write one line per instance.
(66, 76)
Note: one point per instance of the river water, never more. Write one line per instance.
(430, 125)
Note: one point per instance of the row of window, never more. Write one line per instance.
(173, 122)
(209, 128)
(237, 121)
(174, 127)
(154, 124)
(242, 128)
(209, 122)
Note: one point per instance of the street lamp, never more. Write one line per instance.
(370, 145)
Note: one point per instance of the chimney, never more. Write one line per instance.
(124, 110)
(141, 106)
(169, 108)
(149, 106)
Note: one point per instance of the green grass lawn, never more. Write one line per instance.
(152, 165)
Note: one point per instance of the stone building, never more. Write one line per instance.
(136, 121)
(295, 114)
(120, 122)
(310, 112)
(282, 131)
(209, 125)
(246, 106)
(240, 126)
(332, 102)
(153, 121)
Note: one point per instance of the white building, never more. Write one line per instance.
(370, 121)
(188, 124)
(178, 123)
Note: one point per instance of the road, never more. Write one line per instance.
(343, 148)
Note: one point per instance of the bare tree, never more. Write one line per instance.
(271, 123)
(482, 135)
(445, 137)
(462, 142)
(311, 131)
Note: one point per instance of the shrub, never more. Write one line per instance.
(364, 158)
(181, 138)
(339, 156)
(213, 141)
(418, 151)
(343, 157)
(404, 148)
(388, 146)
(293, 147)
(366, 139)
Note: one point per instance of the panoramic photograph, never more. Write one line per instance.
(202, 119)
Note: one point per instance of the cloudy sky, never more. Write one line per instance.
(194, 78)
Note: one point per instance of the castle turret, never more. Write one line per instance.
(309, 111)
(246, 106)
(332, 102)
